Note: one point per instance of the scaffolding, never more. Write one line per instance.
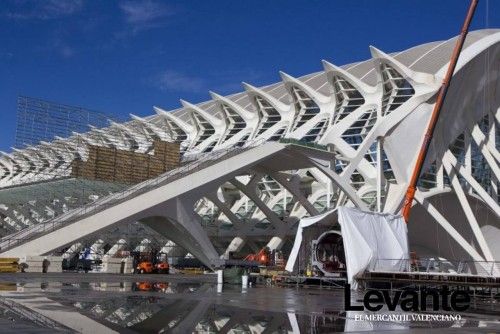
(66, 157)
(44, 121)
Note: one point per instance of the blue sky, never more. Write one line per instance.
(123, 57)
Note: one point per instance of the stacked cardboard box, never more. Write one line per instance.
(112, 165)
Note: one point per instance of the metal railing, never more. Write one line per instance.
(304, 143)
(103, 203)
(437, 266)
(33, 316)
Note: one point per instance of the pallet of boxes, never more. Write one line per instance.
(127, 166)
(9, 264)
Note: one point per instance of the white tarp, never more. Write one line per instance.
(304, 222)
(372, 238)
(368, 238)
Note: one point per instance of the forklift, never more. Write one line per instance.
(161, 265)
(150, 262)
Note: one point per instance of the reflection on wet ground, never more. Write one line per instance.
(100, 303)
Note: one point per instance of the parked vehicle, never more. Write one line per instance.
(144, 267)
(162, 267)
(151, 262)
(142, 286)
(150, 286)
(80, 262)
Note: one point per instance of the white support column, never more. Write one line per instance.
(275, 243)
(379, 174)
(492, 130)
(173, 250)
(235, 246)
(294, 189)
(492, 139)
(284, 199)
(479, 138)
(451, 162)
(342, 184)
(341, 199)
(468, 156)
(75, 248)
(118, 246)
(439, 175)
(483, 142)
(250, 192)
(235, 220)
(329, 185)
(469, 214)
(96, 248)
(143, 246)
(468, 152)
(329, 193)
(448, 227)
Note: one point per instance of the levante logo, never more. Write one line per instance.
(410, 300)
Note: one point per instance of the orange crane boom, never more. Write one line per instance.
(412, 187)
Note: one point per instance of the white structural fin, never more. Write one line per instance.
(179, 130)
(209, 128)
(331, 70)
(161, 133)
(240, 123)
(290, 81)
(413, 76)
(313, 110)
(182, 124)
(275, 117)
(350, 93)
(219, 99)
(396, 81)
(252, 91)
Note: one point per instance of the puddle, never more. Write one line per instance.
(183, 305)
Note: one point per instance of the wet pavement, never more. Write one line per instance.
(104, 303)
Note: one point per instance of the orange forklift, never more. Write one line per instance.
(150, 262)
(161, 265)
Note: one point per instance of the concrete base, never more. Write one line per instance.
(116, 265)
(34, 264)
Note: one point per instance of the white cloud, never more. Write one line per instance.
(224, 82)
(144, 15)
(62, 7)
(42, 10)
(179, 82)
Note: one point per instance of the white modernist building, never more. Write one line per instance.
(256, 162)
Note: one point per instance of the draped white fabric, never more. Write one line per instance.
(304, 222)
(378, 238)
(370, 237)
